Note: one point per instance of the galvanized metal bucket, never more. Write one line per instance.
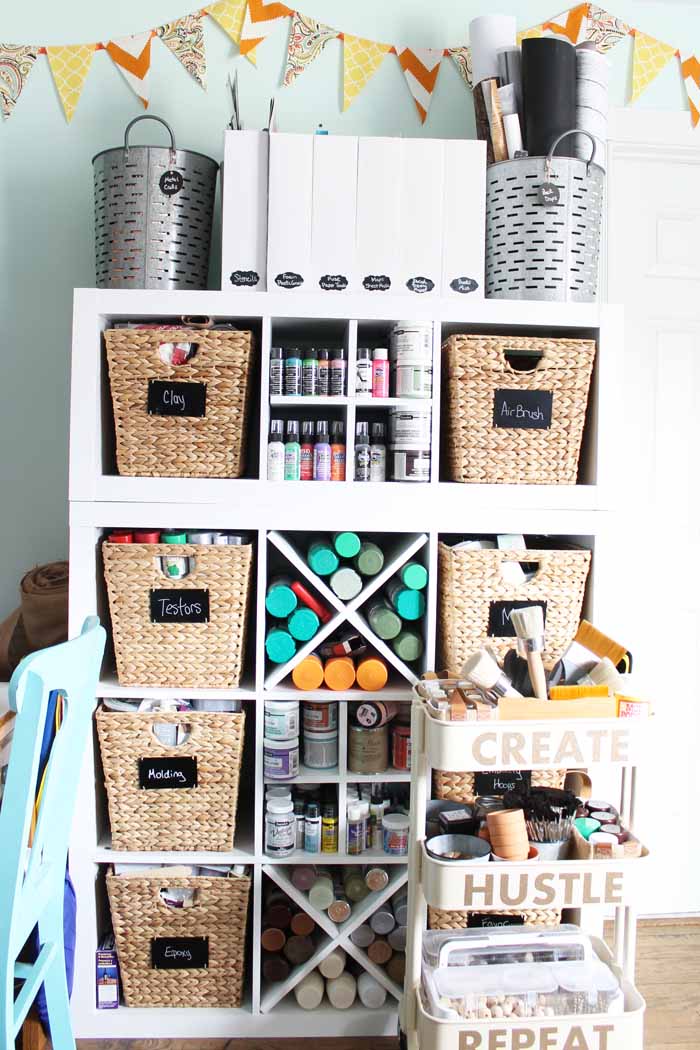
(543, 226)
(153, 215)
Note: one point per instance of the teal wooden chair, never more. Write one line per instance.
(32, 877)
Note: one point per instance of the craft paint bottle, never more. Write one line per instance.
(321, 558)
(337, 451)
(346, 544)
(385, 623)
(322, 453)
(380, 372)
(312, 828)
(362, 453)
(329, 828)
(408, 646)
(276, 371)
(337, 373)
(275, 451)
(306, 451)
(370, 559)
(303, 624)
(309, 373)
(373, 713)
(310, 602)
(414, 575)
(323, 373)
(377, 453)
(280, 599)
(292, 373)
(292, 452)
(279, 645)
(279, 829)
(409, 604)
(363, 372)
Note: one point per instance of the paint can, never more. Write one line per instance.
(409, 428)
(411, 358)
(409, 465)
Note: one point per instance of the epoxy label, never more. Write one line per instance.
(176, 399)
(180, 953)
(169, 605)
(158, 774)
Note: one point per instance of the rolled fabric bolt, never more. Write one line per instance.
(278, 915)
(510, 72)
(298, 950)
(309, 991)
(414, 576)
(493, 108)
(408, 646)
(203, 538)
(385, 623)
(488, 35)
(341, 991)
(310, 602)
(372, 673)
(120, 536)
(397, 938)
(396, 968)
(275, 968)
(303, 877)
(548, 61)
(339, 673)
(308, 673)
(409, 604)
(370, 559)
(382, 921)
(321, 894)
(399, 906)
(303, 624)
(333, 964)
(147, 536)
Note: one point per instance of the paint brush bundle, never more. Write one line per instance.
(549, 812)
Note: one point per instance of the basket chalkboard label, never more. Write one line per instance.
(485, 920)
(333, 282)
(171, 182)
(244, 278)
(464, 285)
(176, 399)
(376, 282)
(289, 279)
(522, 409)
(420, 284)
(501, 781)
(156, 774)
(173, 606)
(548, 194)
(499, 617)
(179, 953)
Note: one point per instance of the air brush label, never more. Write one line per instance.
(522, 409)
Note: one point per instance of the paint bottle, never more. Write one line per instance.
(280, 599)
(292, 452)
(303, 624)
(373, 713)
(279, 645)
(337, 373)
(339, 673)
(276, 371)
(337, 451)
(346, 544)
(408, 646)
(322, 453)
(355, 836)
(363, 453)
(308, 673)
(329, 828)
(385, 623)
(370, 559)
(310, 602)
(312, 828)
(321, 558)
(363, 372)
(346, 583)
(292, 373)
(380, 372)
(414, 576)
(279, 829)
(309, 991)
(306, 451)
(309, 373)
(372, 673)
(323, 373)
(377, 453)
(409, 604)
(275, 451)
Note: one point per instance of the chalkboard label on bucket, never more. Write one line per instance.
(174, 606)
(179, 953)
(176, 399)
(158, 774)
(487, 920)
(500, 625)
(498, 782)
(171, 182)
(522, 409)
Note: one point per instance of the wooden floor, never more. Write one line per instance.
(668, 976)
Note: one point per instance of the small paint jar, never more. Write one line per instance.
(368, 749)
(280, 829)
(401, 747)
(321, 750)
(319, 716)
(281, 758)
(281, 719)
(395, 834)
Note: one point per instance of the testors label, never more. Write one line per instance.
(180, 953)
(174, 606)
(176, 399)
(522, 409)
(157, 774)
(500, 625)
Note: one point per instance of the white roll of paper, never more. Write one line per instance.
(514, 135)
(489, 34)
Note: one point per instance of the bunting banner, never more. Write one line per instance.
(307, 39)
(185, 38)
(649, 58)
(16, 63)
(361, 60)
(249, 22)
(69, 68)
(132, 56)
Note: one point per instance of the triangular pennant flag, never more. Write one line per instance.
(132, 54)
(462, 58)
(185, 38)
(16, 61)
(604, 29)
(649, 58)
(690, 68)
(570, 24)
(421, 67)
(260, 20)
(528, 34)
(361, 60)
(229, 14)
(69, 66)
(307, 39)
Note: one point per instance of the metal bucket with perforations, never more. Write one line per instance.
(153, 215)
(543, 225)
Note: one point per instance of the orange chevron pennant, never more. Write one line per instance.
(574, 27)
(690, 71)
(132, 55)
(421, 67)
(260, 20)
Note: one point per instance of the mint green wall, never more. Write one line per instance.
(46, 185)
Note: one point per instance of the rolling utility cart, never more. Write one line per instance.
(485, 889)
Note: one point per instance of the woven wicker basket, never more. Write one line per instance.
(178, 654)
(197, 818)
(459, 787)
(208, 446)
(475, 368)
(439, 919)
(219, 913)
(471, 580)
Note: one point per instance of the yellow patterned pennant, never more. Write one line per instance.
(361, 60)
(16, 63)
(604, 29)
(462, 58)
(690, 70)
(307, 39)
(229, 14)
(70, 65)
(185, 38)
(649, 58)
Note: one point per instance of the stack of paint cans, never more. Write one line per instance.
(411, 359)
(409, 443)
(592, 70)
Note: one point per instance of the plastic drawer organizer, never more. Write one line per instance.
(498, 888)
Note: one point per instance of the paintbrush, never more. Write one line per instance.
(529, 627)
(588, 649)
(486, 674)
(604, 673)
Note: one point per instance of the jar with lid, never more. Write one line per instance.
(280, 829)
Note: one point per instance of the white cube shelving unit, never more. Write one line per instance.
(280, 516)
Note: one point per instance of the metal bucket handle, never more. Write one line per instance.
(150, 116)
(552, 148)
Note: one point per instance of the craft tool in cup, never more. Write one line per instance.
(485, 673)
(529, 627)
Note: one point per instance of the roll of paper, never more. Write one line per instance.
(514, 142)
(510, 72)
(481, 114)
(489, 34)
(549, 94)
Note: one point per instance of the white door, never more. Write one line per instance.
(653, 269)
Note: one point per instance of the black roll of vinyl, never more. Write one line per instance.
(549, 94)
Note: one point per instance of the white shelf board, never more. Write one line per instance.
(308, 401)
(389, 776)
(393, 691)
(368, 857)
(108, 686)
(392, 402)
(242, 853)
